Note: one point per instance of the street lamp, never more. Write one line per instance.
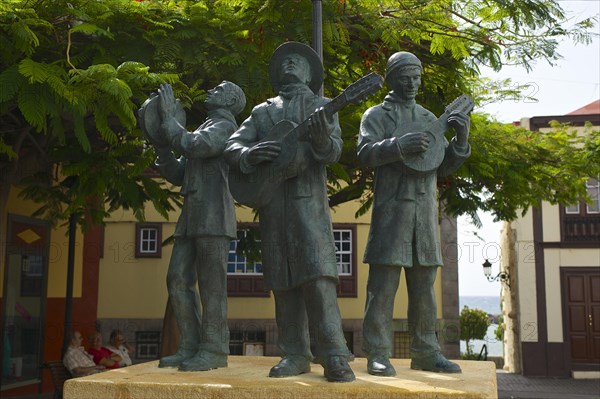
(502, 276)
(317, 31)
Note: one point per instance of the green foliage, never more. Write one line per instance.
(512, 168)
(70, 93)
(473, 325)
(73, 73)
(499, 331)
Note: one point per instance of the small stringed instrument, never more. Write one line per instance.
(255, 189)
(432, 158)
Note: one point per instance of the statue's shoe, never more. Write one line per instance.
(380, 366)
(203, 361)
(337, 369)
(175, 360)
(290, 366)
(437, 363)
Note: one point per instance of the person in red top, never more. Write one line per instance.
(102, 355)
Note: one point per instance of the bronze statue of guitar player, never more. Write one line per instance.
(406, 146)
(298, 252)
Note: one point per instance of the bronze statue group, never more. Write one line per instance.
(293, 136)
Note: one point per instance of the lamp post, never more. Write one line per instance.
(502, 275)
(317, 30)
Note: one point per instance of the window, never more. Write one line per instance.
(32, 267)
(580, 223)
(593, 190)
(584, 208)
(237, 263)
(147, 344)
(148, 240)
(239, 340)
(343, 244)
(572, 209)
(344, 238)
(245, 276)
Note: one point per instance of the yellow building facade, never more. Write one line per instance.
(119, 282)
(133, 294)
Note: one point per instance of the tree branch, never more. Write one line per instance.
(17, 147)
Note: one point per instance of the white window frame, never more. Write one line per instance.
(148, 238)
(240, 260)
(343, 253)
(593, 189)
(572, 209)
(343, 240)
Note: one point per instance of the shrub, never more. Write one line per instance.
(473, 325)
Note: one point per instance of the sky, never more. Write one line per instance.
(571, 84)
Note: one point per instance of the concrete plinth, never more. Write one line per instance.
(247, 377)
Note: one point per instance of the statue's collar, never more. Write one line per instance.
(221, 113)
(393, 101)
(295, 89)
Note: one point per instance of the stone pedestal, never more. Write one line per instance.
(247, 377)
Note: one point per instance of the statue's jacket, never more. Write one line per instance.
(202, 173)
(404, 225)
(295, 226)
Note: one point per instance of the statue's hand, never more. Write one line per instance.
(168, 104)
(413, 142)
(263, 152)
(461, 122)
(319, 126)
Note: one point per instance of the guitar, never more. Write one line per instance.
(255, 189)
(433, 156)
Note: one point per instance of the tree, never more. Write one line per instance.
(74, 72)
(63, 123)
(473, 325)
(512, 169)
(499, 331)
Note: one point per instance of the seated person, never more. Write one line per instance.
(102, 355)
(77, 361)
(118, 345)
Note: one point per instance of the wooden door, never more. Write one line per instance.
(583, 315)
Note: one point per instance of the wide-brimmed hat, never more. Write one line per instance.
(287, 48)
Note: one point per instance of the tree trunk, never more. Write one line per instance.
(170, 333)
(4, 193)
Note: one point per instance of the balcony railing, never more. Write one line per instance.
(581, 228)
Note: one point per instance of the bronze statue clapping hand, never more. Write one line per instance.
(168, 102)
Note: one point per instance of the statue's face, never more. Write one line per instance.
(217, 97)
(295, 69)
(405, 82)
